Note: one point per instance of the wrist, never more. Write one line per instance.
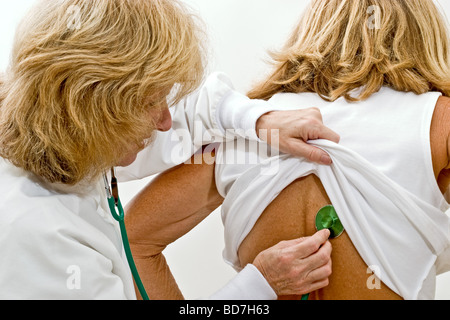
(259, 265)
(263, 126)
(264, 286)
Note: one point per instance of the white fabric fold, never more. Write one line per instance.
(376, 212)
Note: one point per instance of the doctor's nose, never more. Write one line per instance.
(165, 121)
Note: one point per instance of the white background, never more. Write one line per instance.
(241, 32)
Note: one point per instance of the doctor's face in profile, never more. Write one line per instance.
(159, 115)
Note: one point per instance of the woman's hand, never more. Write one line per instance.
(297, 267)
(289, 131)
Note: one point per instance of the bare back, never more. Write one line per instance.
(292, 215)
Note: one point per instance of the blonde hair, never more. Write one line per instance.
(340, 46)
(76, 93)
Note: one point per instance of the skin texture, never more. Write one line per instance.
(162, 118)
(154, 222)
(299, 203)
(300, 265)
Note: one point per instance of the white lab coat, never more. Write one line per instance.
(59, 242)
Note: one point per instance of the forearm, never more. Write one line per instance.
(169, 207)
(157, 277)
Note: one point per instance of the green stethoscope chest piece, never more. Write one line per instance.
(327, 218)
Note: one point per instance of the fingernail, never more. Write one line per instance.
(326, 159)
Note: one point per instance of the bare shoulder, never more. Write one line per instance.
(440, 128)
(440, 142)
(444, 101)
(444, 110)
(443, 107)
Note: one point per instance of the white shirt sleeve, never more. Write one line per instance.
(249, 284)
(215, 113)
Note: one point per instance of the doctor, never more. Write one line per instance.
(88, 86)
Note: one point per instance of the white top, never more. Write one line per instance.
(381, 183)
(59, 242)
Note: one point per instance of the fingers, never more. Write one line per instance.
(319, 278)
(328, 134)
(297, 266)
(318, 265)
(314, 128)
(321, 273)
(318, 260)
(309, 246)
(301, 149)
(293, 130)
(321, 236)
(318, 285)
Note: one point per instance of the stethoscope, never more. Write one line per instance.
(327, 218)
(112, 192)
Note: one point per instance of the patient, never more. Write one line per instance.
(383, 87)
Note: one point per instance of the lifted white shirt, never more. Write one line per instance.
(381, 183)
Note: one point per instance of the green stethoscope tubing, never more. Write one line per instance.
(327, 218)
(120, 217)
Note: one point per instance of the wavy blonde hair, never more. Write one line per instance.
(74, 97)
(340, 45)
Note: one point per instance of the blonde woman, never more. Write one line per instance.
(379, 71)
(383, 88)
(89, 84)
